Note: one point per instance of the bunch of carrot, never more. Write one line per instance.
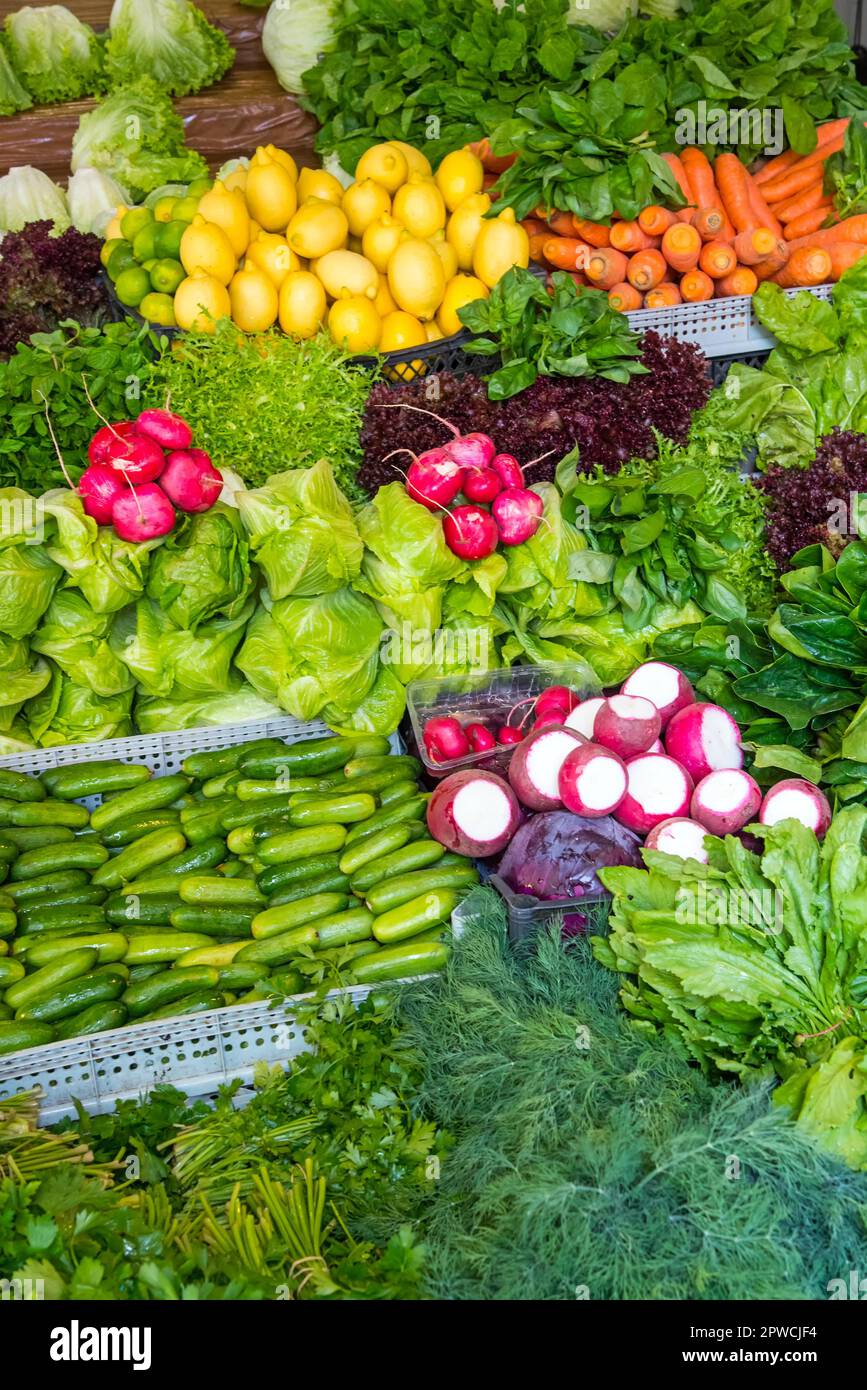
(737, 229)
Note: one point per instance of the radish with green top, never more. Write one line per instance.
(191, 480)
(704, 738)
(725, 801)
(169, 430)
(796, 799)
(657, 789)
(143, 513)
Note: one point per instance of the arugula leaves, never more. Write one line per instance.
(846, 171)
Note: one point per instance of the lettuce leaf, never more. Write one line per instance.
(21, 678)
(168, 660)
(55, 55)
(302, 532)
(159, 715)
(14, 96)
(28, 575)
(66, 712)
(203, 569)
(136, 136)
(108, 571)
(76, 640)
(169, 40)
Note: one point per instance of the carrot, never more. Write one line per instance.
(808, 265)
(662, 296)
(734, 189)
(594, 232)
(681, 246)
(606, 267)
(700, 173)
(772, 263)
(810, 221)
(534, 226)
(831, 129)
(681, 178)
(646, 269)
(761, 212)
(843, 255)
(563, 223)
(566, 253)
(624, 297)
(654, 220)
(850, 229)
(696, 286)
(492, 163)
(802, 202)
(717, 259)
(709, 223)
(802, 174)
(776, 166)
(754, 246)
(537, 246)
(741, 281)
(628, 237)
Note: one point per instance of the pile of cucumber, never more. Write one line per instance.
(191, 891)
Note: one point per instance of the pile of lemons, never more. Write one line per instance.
(385, 264)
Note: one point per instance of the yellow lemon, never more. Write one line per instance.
(501, 243)
(381, 238)
(302, 304)
(354, 324)
(318, 183)
(200, 301)
(254, 301)
(317, 228)
(419, 206)
(385, 164)
(447, 254)
(464, 226)
(284, 158)
(270, 192)
(460, 175)
(363, 203)
(432, 330)
(236, 182)
(273, 255)
(401, 330)
(255, 229)
(416, 278)
(113, 231)
(342, 271)
(226, 208)
(417, 162)
(205, 246)
(384, 301)
(463, 289)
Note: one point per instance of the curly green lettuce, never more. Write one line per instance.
(55, 55)
(170, 41)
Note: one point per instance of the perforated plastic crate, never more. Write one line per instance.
(720, 327)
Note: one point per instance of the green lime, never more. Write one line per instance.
(132, 285)
(109, 247)
(163, 209)
(158, 308)
(169, 236)
(198, 187)
(149, 265)
(145, 243)
(121, 259)
(166, 275)
(185, 209)
(132, 222)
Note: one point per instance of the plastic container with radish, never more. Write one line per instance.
(495, 700)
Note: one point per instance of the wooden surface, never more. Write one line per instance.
(248, 108)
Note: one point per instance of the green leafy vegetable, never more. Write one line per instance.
(28, 195)
(21, 678)
(55, 55)
(75, 638)
(168, 40)
(846, 173)
(67, 712)
(108, 571)
(14, 96)
(137, 137)
(203, 569)
(295, 35)
(302, 532)
(173, 661)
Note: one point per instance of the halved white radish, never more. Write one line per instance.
(583, 716)
(663, 685)
(592, 781)
(796, 799)
(534, 771)
(657, 789)
(627, 724)
(704, 738)
(679, 836)
(726, 801)
(473, 813)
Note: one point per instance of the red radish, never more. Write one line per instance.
(191, 480)
(473, 813)
(99, 488)
(508, 734)
(704, 738)
(657, 789)
(508, 470)
(169, 430)
(592, 781)
(655, 747)
(663, 685)
(99, 448)
(143, 514)
(583, 716)
(551, 714)
(558, 695)
(534, 771)
(434, 479)
(445, 738)
(482, 485)
(470, 532)
(680, 837)
(627, 724)
(518, 514)
(726, 801)
(481, 739)
(138, 459)
(472, 450)
(796, 799)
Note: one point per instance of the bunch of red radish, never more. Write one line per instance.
(498, 509)
(445, 738)
(660, 762)
(120, 486)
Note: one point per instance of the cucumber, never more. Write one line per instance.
(18, 786)
(212, 921)
(9, 850)
(80, 854)
(292, 845)
(193, 860)
(359, 767)
(242, 813)
(37, 890)
(73, 897)
(74, 781)
(48, 977)
(131, 863)
(275, 920)
(331, 810)
(218, 788)
(342, 955)
(218, 954)
(377, 782)
(240, 841)
(205, 1001)
(26, 837)
(99, 1018)
(11, 971)
(401, 962)
(396, 792)
(386, 841)
(162, 945)
(344, 928)
(401, 861)
(216, 891)
(394, 892)
(110, 947)
(5, 1012)
(38, 920)
(214, 762)
(411, 810)
(204, 822)
(276, 880)
(258, 789)
(241, 976)
(72, 997)
(8, 921)
(278, 950)
(163, 989)
(153, 910)
(130, 828)
(153, 795)
(14, 1036)
(160, 885)
(306, 758)
(40, 813)
(417, 915)
(114, 967)
(334, 882)
(145, 972)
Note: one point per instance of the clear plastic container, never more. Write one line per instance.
(487, 697)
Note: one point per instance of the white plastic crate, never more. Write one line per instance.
(720, 327)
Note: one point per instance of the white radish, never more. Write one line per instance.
(726, 801)
(657, 789)
(592, 781)
(663, 685)
(680, 837)
(473, 813)
(583, 716)
(627, 724)
(704, 738)
(534, 771)
(796, 799)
